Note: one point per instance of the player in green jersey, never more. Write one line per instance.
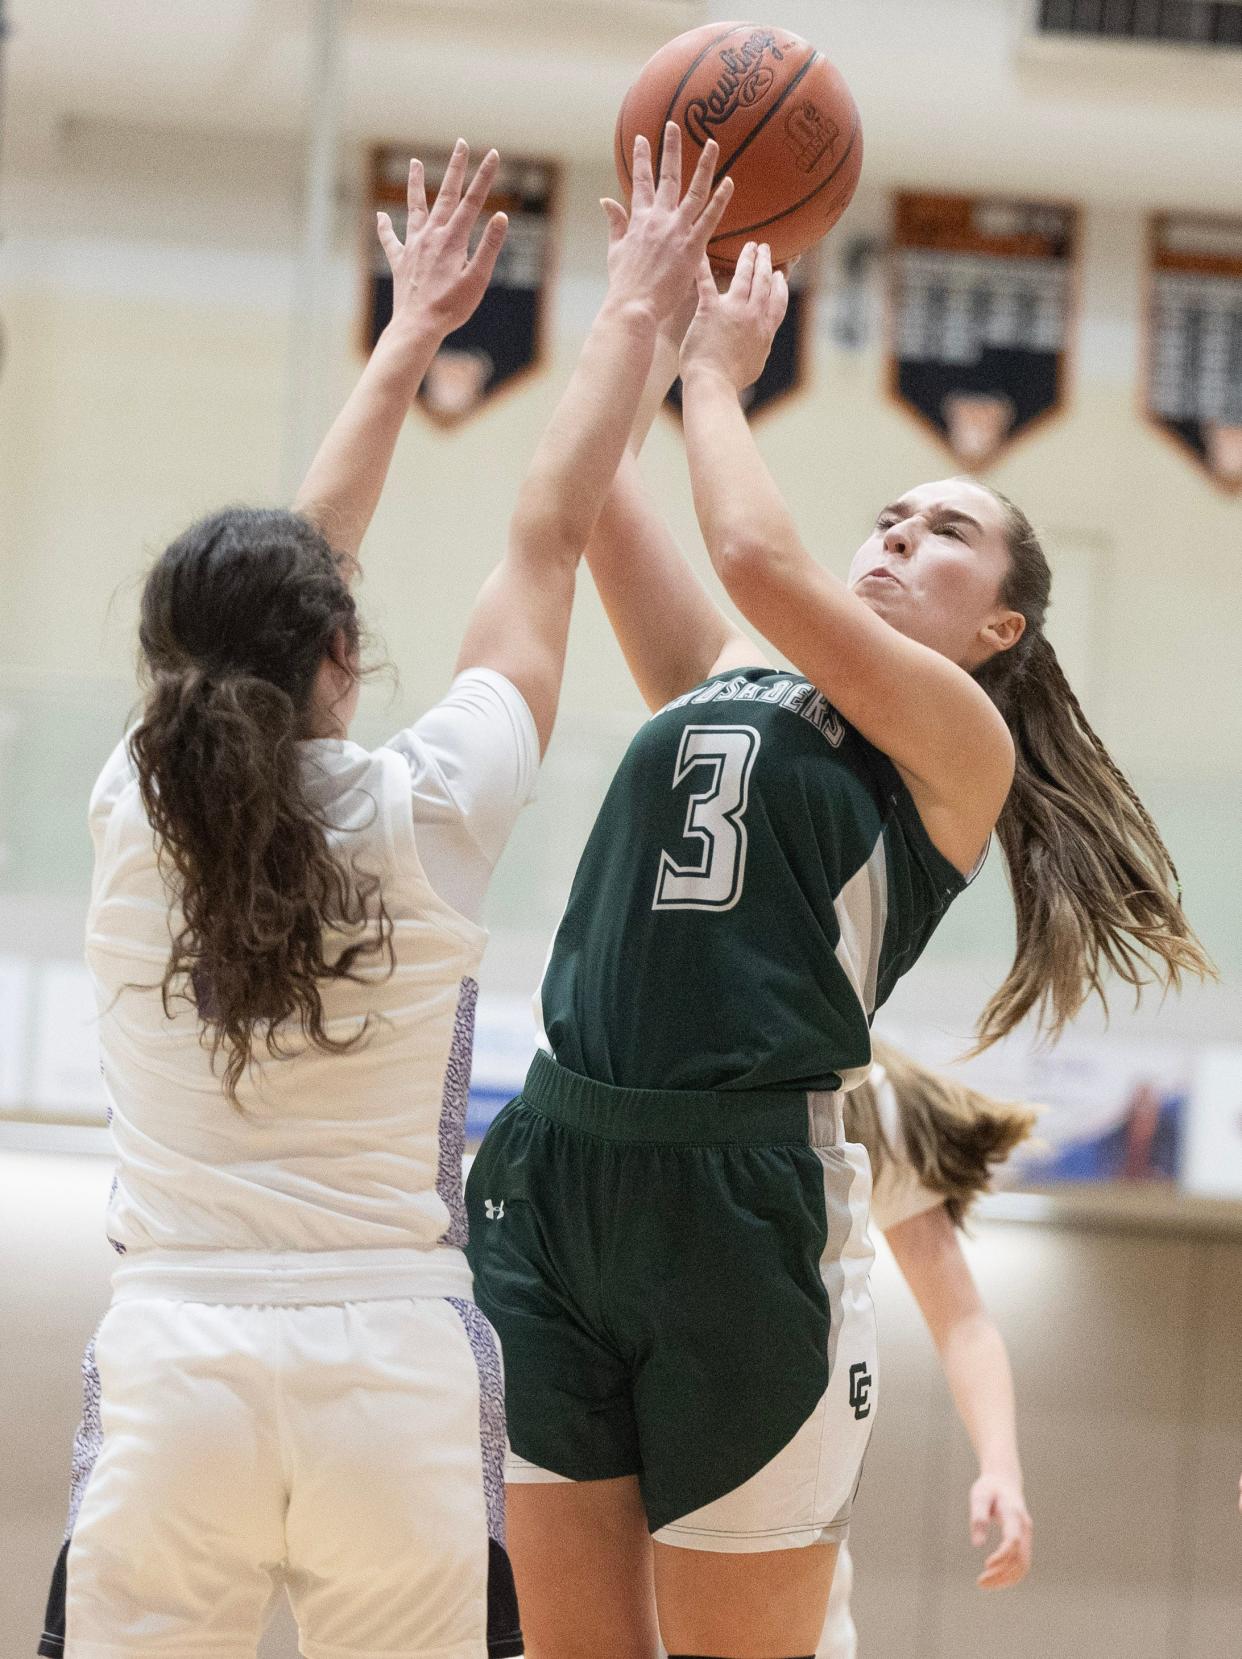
(668, 1226)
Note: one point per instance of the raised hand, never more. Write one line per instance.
(654, 251)
(436, 282)
(732, 333)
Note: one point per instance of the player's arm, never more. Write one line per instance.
(976, 1365)
(930, 717)
(672, 633)
(520, 621)
(436, 285)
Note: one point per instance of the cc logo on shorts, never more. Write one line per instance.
(860, 1389)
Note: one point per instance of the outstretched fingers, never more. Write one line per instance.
(482, 262)
(668, 190)
(709, 220)
(761, 281)
(449, 193)
(389, 240)
(705, 283)
(699, 190)
(744, 273)
(642, 188)
(416, 197)
(471, 204)
(778, 302)
(618, 219)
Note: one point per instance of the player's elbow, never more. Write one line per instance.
(747, 562)
(548, 528)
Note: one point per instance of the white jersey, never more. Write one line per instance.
(897, 1194)
(344, 1151)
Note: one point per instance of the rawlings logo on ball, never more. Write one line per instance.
(809, 134)
(745, 79)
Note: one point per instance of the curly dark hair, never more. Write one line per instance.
(237, 616)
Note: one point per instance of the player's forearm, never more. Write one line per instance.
(740, 510)
(343, 485)
(574, 465)
(976, 1364)
(660, 377)
(668, 627)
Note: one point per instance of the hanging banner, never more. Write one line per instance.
(788, 364)
(504, 338)
(1194, 340)
(979, 317)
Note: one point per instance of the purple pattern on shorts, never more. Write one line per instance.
(486, 1351)
(89, 1438)
(116, 1181)
(453, 1116)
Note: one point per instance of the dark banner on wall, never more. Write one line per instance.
(979, 319)
(1194, 340)
(503, 340)
(787, 367)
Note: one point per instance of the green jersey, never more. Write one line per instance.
(756, 882)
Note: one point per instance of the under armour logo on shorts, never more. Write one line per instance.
(860, 1389)
(493, 1212)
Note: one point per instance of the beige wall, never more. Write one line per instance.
(146, 290)
(1127, 1349)
(147, 320)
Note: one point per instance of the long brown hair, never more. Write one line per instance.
(237, 616)
(1094, 888)
(954, 1136)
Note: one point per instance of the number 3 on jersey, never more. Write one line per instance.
(713, 817)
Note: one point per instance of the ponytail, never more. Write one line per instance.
(1094, 888)
(236, 618)
(953, 1136)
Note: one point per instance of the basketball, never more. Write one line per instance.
(787, 127)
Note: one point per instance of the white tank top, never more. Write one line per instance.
(354, 1150)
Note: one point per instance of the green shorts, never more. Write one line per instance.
(679, 1283)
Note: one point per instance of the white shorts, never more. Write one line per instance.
(350, 1449)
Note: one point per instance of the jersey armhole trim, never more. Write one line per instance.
(943, 872)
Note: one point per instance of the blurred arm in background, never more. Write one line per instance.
(976, 1364)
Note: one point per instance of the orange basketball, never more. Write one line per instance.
(787, 127)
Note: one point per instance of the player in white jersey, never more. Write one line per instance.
(295, 1384)
(932, 1145)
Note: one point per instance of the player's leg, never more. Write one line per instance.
(839, 1639)
(749, 1606)
(755, 1408)
(539, 1201)
(165, 1561)
(582, 1557)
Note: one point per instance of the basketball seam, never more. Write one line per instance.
(744, 230)
(681, 87)
(759, 126)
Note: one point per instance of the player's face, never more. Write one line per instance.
(934, 567)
